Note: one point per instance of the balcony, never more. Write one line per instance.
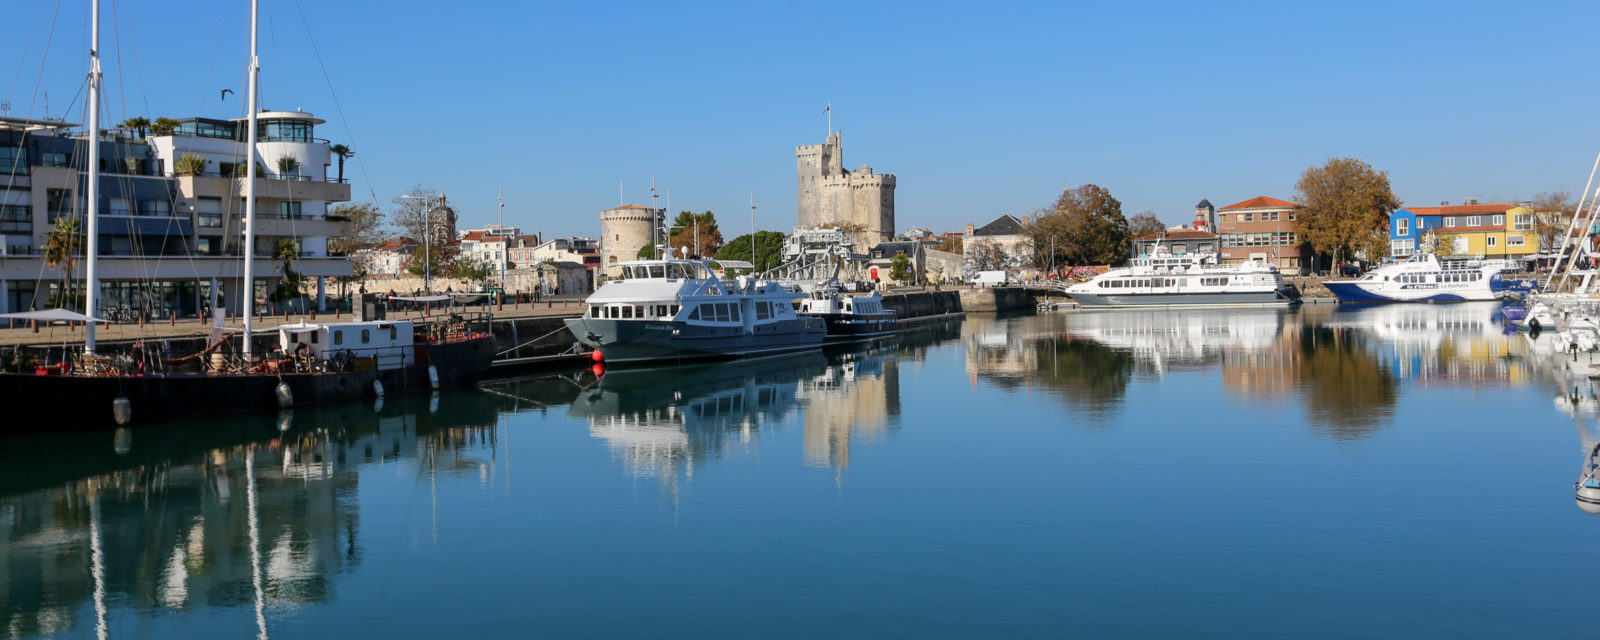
(216, 185)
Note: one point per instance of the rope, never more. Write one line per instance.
(343, 121)
(531, 341)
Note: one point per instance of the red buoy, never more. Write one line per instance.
(599, 370)
(596, 356)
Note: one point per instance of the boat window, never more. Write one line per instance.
(674, 310)
(338, 337)
(594, 312)
(675, 270)
(738, 311)
(627, 311)
(658, 271)
(661, 311)
(366, 336)
(694, 314)
(763, 311)
(393, 334)
(315, 336)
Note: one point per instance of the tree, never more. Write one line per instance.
(61, 247)
(769, 250)
(473, 271)
(189, 164)
(1084, 227)
(286, 254)
(288, 167)
(950, 245)
(1343, 202)
(428, 217)
(898, 267)
(138, 125)
(1145, 223)
(1552, 215)
(163, 127)
(698, 231)
(983, 255)
(343, 153)
(365, 232)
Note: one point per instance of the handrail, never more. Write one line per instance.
(218, 174)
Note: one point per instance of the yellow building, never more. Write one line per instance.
(1480, 230)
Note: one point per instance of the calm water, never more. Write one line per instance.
(1400, 471)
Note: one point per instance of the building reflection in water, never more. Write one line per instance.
(255, 514)
(1344, 364)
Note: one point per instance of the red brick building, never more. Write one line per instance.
(1263, 228)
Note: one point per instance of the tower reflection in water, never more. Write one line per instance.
(254, 514)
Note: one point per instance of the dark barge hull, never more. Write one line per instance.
(849, 326)
(36, 402)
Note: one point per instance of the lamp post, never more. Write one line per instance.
(427, 239)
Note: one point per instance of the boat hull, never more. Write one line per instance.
(633, 341)
(848, 326)
(1372, 291)
(1278, 298)
(85, 402)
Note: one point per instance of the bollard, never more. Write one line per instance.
(548, 304)
(34, 324)
(313, 315)
(173, 320)
(337, 311)
(502, 306)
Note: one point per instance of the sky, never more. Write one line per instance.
(978, 109)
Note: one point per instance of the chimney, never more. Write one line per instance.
(969, 228)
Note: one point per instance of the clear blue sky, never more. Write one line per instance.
(979, 109)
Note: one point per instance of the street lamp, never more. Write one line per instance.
(427, 239)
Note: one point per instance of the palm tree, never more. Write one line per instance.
(163, 126)
(288, 167)
(342, 152)
(139, 124)
(61, 250)
(286, 254)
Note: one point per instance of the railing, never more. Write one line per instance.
(240, 176)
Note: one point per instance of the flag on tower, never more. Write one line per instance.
(828, 108)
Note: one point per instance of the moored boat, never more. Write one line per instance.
(677, 309)
(1424, 278)
(1165, 280)
(849, 317)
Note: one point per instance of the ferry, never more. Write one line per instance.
(678, 309)
(1165, 280)
(849, 317)
(1424, 278)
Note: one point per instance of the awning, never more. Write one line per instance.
(735, 264)
(51, 315)
(421, 298)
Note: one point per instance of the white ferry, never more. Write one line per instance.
(849, 317)
(1165, 280)
(676, 309)
(1423, 278)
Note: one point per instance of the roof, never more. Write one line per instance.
(394, 245)
(1006, 225)
(1186, 234)
(473, 236)
(889, 248)
(1204, 204)
(1261, 202)
(1461, 209)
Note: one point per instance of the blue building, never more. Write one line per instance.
(1407, 229)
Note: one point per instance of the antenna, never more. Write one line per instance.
(505, 244)
(655, 219)
(752, 232)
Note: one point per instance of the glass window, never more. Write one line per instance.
(738, 311)
(674, 311)
(366, 336)
(338, 337)
(13, 159)
(694, 314)
(627, 311)
(1402, 227)
(675, 271)
(155, 208)
(1493, 240)
(763, 311)
(16, 218)
(289, 210)
(121, 206)
(658, 271)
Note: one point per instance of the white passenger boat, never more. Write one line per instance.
(676, 309)
(1165, 280)
(1424, 278)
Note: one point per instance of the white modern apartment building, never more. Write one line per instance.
(170, 215)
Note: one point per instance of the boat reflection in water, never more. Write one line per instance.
(664, 422)
(256, 514)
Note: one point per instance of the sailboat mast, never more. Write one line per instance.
(91, 284)
(248, 287)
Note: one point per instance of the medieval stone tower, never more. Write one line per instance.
(623, 230)
(830, 195)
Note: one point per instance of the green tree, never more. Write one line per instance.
(163, 127)
(698, 231)
(189, 164)
(473, 271)
(342, 152)
(898, 268)
(62, 245)
(951, 245)
(286, 254)
(769, 250)
(646, 252)
(1084, 227)
(138, 125)
(1343, 202)
(1145, 223)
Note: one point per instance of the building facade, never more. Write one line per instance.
(170, 212)
(1495, 230)
(1263, 228)
(1001, 244)
(1181, 242)
(831, 196)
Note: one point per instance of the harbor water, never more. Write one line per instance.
(1331, 472)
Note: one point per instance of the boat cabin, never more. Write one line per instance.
(390, 343)
(687, 291)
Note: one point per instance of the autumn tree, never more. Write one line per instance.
(697, 231)
(951, 244)
(1145, 223)
(1344, 202)
(1552, 215)
(428, 217)
(365, 232)
(1084, 227)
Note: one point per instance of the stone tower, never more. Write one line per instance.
(830, 195)
(623, 230)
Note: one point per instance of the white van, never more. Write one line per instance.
(991, 278)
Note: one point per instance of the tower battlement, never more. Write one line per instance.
(828, 194)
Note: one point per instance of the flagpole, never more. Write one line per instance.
(829, 110)
(752, 233)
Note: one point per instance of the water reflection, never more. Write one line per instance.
(206, 515)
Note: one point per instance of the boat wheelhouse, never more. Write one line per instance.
(674, 309)
(1165, 280)
(849, 317)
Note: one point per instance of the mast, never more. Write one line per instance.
(91, 282)
(248, 288)
(505, 240)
